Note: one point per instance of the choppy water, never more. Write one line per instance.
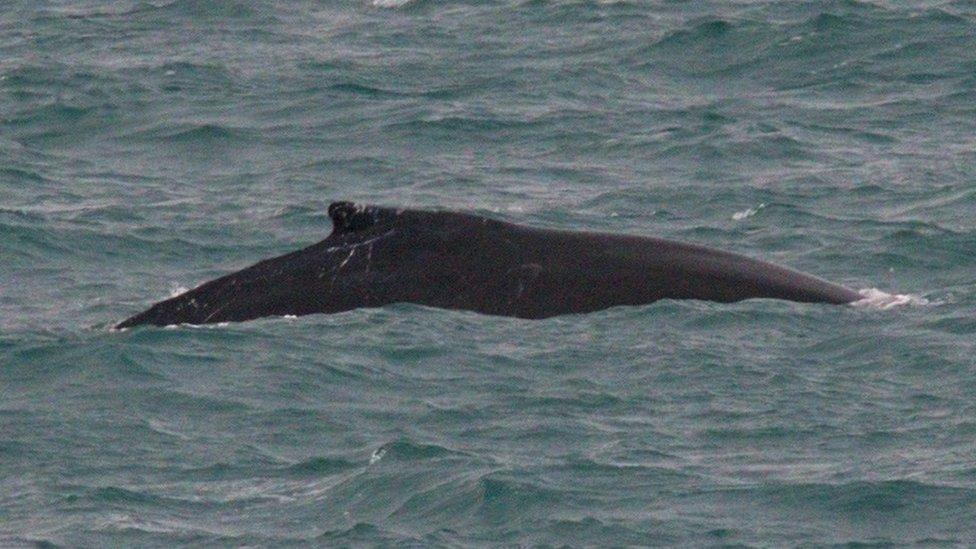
(147, 146)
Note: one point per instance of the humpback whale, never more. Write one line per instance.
(377, 256)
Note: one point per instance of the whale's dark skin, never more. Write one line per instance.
(376, 256)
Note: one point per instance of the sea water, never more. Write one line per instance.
(148, 146)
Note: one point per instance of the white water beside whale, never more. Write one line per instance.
(879, 299)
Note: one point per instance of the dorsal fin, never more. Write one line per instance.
(350, 217)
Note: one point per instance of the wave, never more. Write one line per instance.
(233, 9)
(319, 466)
(205, 132)
(408, 450)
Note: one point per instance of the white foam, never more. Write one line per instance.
(739, 216)
(390, 3)
(876, 299)
(161, 427)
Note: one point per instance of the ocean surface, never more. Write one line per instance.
(148, 146)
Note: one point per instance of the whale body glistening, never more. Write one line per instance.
(377, 256)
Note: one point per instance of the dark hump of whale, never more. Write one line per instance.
(377, 256)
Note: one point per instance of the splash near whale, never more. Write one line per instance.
(377, 256)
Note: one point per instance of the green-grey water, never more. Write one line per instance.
(148, 146)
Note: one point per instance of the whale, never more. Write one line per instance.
(376, 256)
